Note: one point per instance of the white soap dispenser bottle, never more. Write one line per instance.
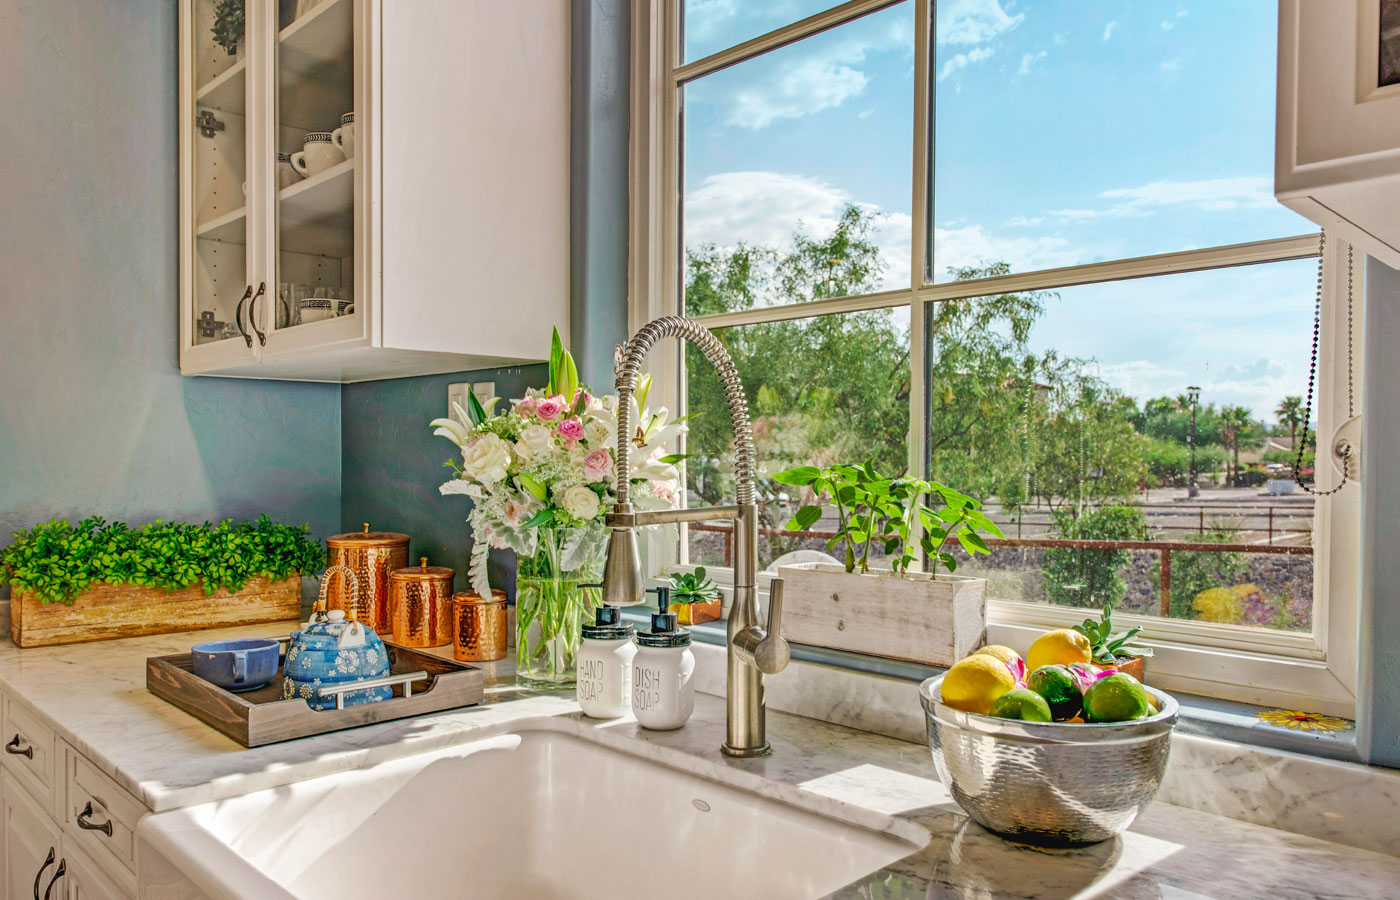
(663, 683)
(605, 665)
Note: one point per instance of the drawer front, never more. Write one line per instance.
(30, 752)
(99, 816)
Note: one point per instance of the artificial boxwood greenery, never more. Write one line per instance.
(57, 561)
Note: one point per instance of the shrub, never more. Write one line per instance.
(1091, 578)
(1194, 571)
(57, 561)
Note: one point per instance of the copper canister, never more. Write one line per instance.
(479, 626)
(371, 555)
(420, 605)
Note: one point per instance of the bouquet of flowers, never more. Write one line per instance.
(542, 476)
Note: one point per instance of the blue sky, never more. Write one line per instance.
(1066, 132)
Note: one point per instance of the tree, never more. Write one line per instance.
(1089, 578)
(1234, 425)
(1290, 416)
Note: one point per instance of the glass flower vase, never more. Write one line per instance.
(552, 605)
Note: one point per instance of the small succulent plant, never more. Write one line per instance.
(1107, 646)
(693, 587)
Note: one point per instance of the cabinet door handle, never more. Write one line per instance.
(85, 821)
(238, 316)
(39, 876)
(253, 315)
(14, 747)
(58, 873)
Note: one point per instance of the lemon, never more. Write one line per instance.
(1005, 654)
(973, 684)
(1058, 648)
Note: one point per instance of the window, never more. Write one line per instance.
(1020, 247)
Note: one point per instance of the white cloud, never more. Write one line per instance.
(1210, 195)
(814, 78)
(1143, 378)
(1029, 60)
(963, 60)
(764, 208)
(1023, 221)
(1108, 30)
(1168, 25)
(973, 21)
(973, 245)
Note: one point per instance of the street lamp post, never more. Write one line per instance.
(1193, 393)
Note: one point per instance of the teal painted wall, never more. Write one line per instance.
(94, 414)
(393, 464)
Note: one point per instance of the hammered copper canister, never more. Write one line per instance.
(371, 555)
(420, 605)
(479, 626)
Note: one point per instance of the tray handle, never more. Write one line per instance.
(338, 691)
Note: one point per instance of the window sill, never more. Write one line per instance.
(1202, 716)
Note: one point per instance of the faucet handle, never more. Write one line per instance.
(764, 648)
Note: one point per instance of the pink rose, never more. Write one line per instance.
(570, 429)
(550, 409)
(664, 490)
(597, 464)
(526, 407)
(587, 397)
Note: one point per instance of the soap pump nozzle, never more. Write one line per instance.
(663, 621)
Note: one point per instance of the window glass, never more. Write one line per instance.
(709, 26)
(821, 391)
(1071, 411)
(1071, 133)
(800, 160)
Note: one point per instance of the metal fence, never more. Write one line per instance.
(1163, 549)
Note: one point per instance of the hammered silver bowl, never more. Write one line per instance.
(1048, 783)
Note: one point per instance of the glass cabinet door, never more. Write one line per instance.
(217, 181)
(315, 172)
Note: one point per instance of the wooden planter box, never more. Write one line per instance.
(108, 611)
(935, 621)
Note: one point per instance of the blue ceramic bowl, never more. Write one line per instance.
(239, 665)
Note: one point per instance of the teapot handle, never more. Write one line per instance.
(320, 608)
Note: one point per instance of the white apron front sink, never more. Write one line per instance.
(533, 814)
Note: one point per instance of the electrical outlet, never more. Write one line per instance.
(484, 390)
(457, 396)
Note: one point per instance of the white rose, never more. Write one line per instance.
(486, 458)
(581, 503)
(534, 440)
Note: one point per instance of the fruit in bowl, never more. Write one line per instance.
(1056, 682)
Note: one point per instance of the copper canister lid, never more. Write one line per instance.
(497, 596)
(422, 572)
(366, 538)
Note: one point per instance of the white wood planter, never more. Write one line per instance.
(936, 621)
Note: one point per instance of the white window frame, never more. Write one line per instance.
(1315, 671)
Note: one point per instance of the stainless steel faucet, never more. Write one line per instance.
(753, 649)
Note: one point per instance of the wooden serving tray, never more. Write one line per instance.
(255, 718)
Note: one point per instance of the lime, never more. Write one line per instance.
(1023, 704)
(1117, 698)
(1057, 686)
(974, 683)
(1058, 648)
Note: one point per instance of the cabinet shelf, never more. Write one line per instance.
(317, 215)
(225, 90)
(315, 61)
(229, 227)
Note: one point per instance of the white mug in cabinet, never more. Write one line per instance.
(318, 153)
(287, 174)
(344, 136)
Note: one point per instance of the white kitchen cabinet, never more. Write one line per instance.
(34, 861)
(86, 879)
(439, 245)
(1337, 156)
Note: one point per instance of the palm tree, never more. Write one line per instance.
(1290, 415)
(1234, 421)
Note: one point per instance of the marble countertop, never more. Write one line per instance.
(94, 695)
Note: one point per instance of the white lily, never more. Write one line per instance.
(452, 429)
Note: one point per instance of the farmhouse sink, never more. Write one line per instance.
(536, 814)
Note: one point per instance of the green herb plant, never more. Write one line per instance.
(1107, 646)
(58, 560)
(901, 515)
(228, 24)
(693, 587)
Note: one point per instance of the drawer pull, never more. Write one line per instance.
(58, 873)
(39, 876)
(28, 752)
(85, 823)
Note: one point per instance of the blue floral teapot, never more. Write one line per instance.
(331, 650)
